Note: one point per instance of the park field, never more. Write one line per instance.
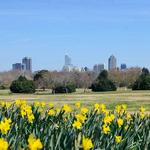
(133, 99)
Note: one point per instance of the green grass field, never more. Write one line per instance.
(133, 99)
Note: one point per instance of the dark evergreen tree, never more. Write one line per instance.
(143, 82)
(22, 85)
(102, 83)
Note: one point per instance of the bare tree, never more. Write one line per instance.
(125, 78)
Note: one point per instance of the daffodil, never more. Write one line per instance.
(112, 116)
(26, 111)
(78, 104)
(108, 119)
(34, 144)
(20, 102)
(124, 107)
(142, 115)
(84, 110)
(5, 125)
(120, 122)
(105, 129)
(102, 107)
(8, 104)
(77, 124)
(81, 118)
(37, 104)
(128, 116)
(43, 104)
(118, 139)
(3, 144)
(97, 107)
(87, 143)
(51, 112)
(142, 109)
(30, 118)
(67, 108)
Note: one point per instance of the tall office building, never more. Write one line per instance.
(27, 64)
(98, 68)
(17, 67)
(123, 67)
(67, 60)
(112, 63)
(95, 68)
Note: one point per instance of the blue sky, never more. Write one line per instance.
(88, 30)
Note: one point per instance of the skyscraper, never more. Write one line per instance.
(27, 64)
(112, 62)
(95, 68)
(123, 66)
(67, 60)
(17, 67)
(98, 68)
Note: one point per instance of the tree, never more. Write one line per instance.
(41, 79)
(143, 82)
(102, 83)
(22, 85)
(145, 72)
(68, 88)
(6, 78)
(2, 87)
(125, 78)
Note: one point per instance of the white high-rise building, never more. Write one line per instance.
(67, 60)
(68, 67)
(112, 63)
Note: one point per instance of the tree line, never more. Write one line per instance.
(69, 81)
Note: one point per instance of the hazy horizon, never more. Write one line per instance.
(88, 31)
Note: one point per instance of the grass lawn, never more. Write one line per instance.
(133, 99)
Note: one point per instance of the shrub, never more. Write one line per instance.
(102, 83)
(22, 85)
(69, 88)
(143, 82)
(60, 89)
(2, 87)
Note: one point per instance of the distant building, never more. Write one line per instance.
(98, 68)
(17, 67)
(76, 69)
(86, 69)
(67, 60)
(68, 68)
(27, 64)
(123, 67)
(112, 63)
(95, 68)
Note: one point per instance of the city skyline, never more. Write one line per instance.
(26, 65)
(89, 31)
(68, 62)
